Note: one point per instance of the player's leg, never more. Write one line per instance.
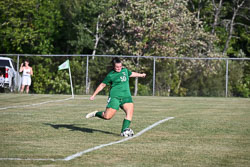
(27, 89)
(112, 107)
(28, 84)
(129, 110)
(24, 82)
(107, 114)
(22, 88)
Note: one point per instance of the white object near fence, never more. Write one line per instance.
(66, 65)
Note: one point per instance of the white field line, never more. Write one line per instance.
(116, 142)
(95, 148)
(29, 159)
(36, 104)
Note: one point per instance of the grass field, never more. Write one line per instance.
(204, 132)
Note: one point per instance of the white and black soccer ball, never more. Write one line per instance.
(127, 132)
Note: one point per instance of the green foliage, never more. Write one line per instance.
(202, 82)
(207, 10)
(165, 28)
(28, 26)
(98, 69)
(168, 78)
(78, 70)
(46, 81)
(239, 80)
(144, 90)
(89, 23)
(243, 89)
(239, 43)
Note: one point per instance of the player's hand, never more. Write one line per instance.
(21, 64)
(92, 98)
(143, 75)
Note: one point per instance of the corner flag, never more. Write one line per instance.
(63, 66)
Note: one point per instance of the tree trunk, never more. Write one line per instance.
(236, 9)
(97, 39)
(198, 14)
(216, 15)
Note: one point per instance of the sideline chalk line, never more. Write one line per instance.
(68, 158)
(36, 104)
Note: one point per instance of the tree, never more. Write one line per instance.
(89, 23)
(237, 5)
(162, 28)
(229, 21)
(29, 26)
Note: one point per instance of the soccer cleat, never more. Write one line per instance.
(92, 114)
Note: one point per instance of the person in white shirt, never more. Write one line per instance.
(26, 78)
(1, 79)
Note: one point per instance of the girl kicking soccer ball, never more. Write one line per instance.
(119, 95)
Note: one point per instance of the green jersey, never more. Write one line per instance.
(119, 82)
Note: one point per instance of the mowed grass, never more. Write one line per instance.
(204, 132)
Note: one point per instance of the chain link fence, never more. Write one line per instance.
(166, 76)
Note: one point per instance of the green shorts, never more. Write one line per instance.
(115, 103)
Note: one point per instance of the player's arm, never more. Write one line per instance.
(135, 74)
(98, 89)
(31, 71)
(21, 68)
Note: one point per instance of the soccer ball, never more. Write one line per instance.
(127, 133)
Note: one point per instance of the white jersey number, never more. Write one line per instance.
(123, 78)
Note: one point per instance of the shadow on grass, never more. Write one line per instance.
(72, 127)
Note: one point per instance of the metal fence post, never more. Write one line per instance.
(17, 70)
(17, 64)
(154, 77)
(87, 74)
(226, 76)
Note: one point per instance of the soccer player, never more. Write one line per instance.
(119, 95)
